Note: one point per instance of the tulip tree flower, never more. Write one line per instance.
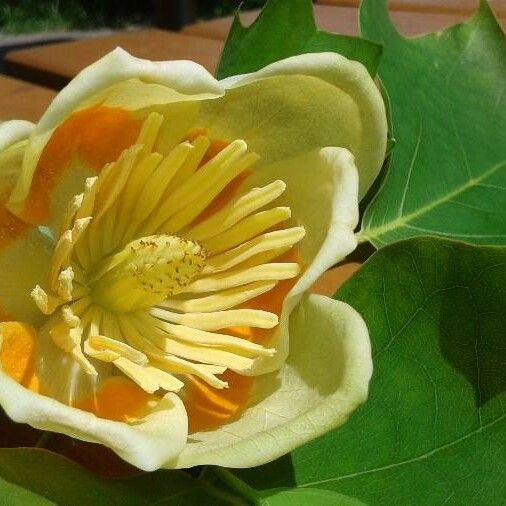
(158, 230)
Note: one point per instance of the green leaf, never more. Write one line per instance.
(13, 495)
(305, 497)
(434, 427)
(447, 174)
(286, 28)
(231, 489)
(35, 476)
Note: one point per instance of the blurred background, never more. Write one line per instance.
(46, 43)
(29, 16)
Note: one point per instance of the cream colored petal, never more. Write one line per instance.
(13, 141)
(174, 89)
(24, 253)
(148, 443)
(321, 191)
(188, 80)
(302, 103)
(136, 95)
(24, 263)
(14, 131)
(323, 381)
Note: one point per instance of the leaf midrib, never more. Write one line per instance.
(423, 456)
(372, 233)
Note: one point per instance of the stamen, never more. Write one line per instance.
(149, 131)
(140, 375)
(201, 145)
(46, 302)
(236, 210)
(65, 286)
(190, 212)
(178, 365)
(201, 337)
(219, 301)
(220, 319)
(67, 335)
(64, 248)
(168, 362)
(198, 185)
(203, 355)
(165, 380)
(133, 271)
(156, 185)
(108, 350)
(222, 281)
(279, 239)
(136, 183)
(246, 229)
(101, 236)
(115, 180)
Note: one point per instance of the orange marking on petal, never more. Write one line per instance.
(208, 407)
(17, 355)
(4, 316)
(96, 136)
(215, 147)
(194, 133)
(222, 199)
(228, 193)
(118, 399)
(271, 301)
(11, 227)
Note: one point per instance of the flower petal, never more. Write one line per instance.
(324, 379)
(189, 80)
(98, 115)
(301, 103)
(14, 131)
(24, 253)
(322, 188)
(25, 258)
(147, 443)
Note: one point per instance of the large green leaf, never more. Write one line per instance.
(32, 476)
(434, 427)
(287, 28)
(14, 495)
(447, 174)
(306, 497)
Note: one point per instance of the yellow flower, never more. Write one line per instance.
(157, 230)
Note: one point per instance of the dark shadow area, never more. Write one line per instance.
(361, 253)
(96, 458)
(277, 474)
(14, 434)
(473, 338)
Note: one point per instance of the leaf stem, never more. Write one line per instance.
(361, 237)
(250, 495)
(236, 484)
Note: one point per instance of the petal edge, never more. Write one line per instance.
(310, 399)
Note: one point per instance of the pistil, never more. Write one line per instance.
(145, 272)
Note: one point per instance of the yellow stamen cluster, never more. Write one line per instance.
(145, 272)
(138, 281)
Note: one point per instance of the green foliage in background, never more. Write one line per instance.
(447, 174)
(434, 426)
(211, 8)
(25, 16)
(267, 40)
